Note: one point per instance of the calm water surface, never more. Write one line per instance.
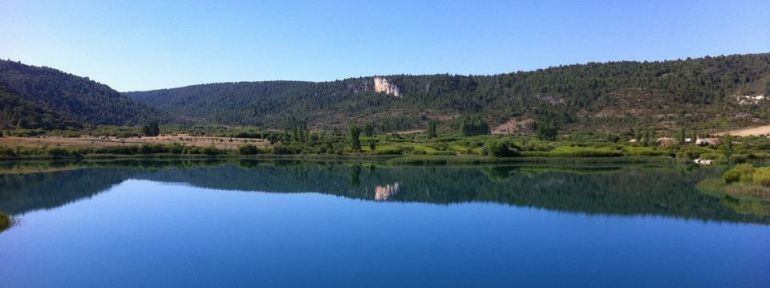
(280, 224)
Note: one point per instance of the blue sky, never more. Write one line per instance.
(139, 45)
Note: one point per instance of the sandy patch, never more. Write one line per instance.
(753, 131)
(513, 125)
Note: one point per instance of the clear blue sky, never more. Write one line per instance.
(138, 45)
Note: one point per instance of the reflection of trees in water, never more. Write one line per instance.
(628, 190)
(23, 193)
(5, 222)
(748, 207)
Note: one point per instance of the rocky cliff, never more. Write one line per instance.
(382, 85)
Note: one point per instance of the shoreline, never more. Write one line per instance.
(390, 159)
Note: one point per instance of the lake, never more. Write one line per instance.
(255, 223)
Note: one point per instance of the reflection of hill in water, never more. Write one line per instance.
(23, 193)
(628, 190)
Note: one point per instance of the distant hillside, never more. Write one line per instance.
(700, 93)
(18, 113)
(229, 103)
(70, 96)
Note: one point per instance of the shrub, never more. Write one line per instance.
(212, 151)
(565, 151)
(7, 152)
(124, 150)
(740, 158)
(175, 148)
(502, 148)
(151, 129)
(248, 150)
(148, 149)
(387, 150)
(741, 172)
(731, 176)
(761, 176)
(644, 151)
(422, 150)
(718, 157)
(285, 149)
(61, 153)
(693, 152)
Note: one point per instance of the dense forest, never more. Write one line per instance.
(77, 98)
(703, 94)
(17, 113)
(695, 93)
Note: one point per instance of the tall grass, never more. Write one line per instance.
(761, 176)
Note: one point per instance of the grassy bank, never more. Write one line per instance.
(412, 148)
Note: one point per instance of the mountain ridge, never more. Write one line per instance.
(709, 93)
(668, 94)
(78, 98)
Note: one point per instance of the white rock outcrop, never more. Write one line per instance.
(382, 85)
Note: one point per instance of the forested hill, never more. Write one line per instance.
(703, 93)
(17, 113)
(72, 97)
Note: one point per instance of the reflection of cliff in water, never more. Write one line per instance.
(624, 190)
(385, 192)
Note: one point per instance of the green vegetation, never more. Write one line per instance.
(17, 113)
(748, 174)
(248, 150)
(502, 148)
(352, 143)
(575, 111)
(432, 129)
(151, 129)
(616, 96)
(354, 135)
(744, 182)
(472, 126)
(739, 173)
(143, 150)
(56, 95)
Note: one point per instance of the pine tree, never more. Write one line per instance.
(727, 146)
(432, 133)
(354, 134)
(151, 129)
(368, 130)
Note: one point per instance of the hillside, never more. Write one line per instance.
(705, 93)
(77, 98)
(18, 113)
